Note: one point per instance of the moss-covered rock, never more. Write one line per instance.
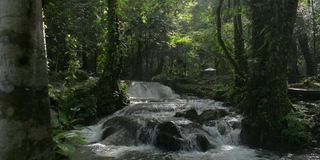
(212, 115)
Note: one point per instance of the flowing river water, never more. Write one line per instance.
(133, 132)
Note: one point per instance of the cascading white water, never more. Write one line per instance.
(149, 90)
(131, 133)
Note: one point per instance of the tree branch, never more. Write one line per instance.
(228, 56)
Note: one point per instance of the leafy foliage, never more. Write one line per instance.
(73, 103)
(65, 143)
(295, 131)
(76, 102)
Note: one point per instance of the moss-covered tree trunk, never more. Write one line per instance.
(24, 113)
(267, 100)
(109, 96)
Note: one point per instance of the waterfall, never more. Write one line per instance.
(149, 90)
(149, 129)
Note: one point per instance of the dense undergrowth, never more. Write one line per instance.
(73, 103)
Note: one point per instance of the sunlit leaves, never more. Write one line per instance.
(179, 38)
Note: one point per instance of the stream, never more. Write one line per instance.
(147, 129)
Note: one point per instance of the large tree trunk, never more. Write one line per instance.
(267, 100)
(24, 112)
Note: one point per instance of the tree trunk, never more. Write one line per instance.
(314, 28)
(308, 57)
(294, 75)
(303, 40)
(267, 100)
(138, 69)
(239, 44)
(109, 97)
(160, 64)
(228, 56)
(24, 110)
(90, 62)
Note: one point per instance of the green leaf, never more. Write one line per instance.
(65, 149)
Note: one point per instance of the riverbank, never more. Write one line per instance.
(217, 88)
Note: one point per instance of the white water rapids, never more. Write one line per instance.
(128, 135)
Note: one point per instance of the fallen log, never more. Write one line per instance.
(304, 94)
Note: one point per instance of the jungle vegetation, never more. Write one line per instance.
(257, 49)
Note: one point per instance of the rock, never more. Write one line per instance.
(147, 132)
(169, 128)
(108, 132)
(202, 142)
(120, 131)
(168, 142)
(212, 115)
(222, 129)
(190, 114)
(179, 114)
(169, 137)
(250, 134)
(255, 134)
(236, 124)
(227, 104)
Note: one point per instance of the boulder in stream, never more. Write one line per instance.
(202, 142)
(120, 130)
(190, 114)
(169, 137)
(212, 115)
